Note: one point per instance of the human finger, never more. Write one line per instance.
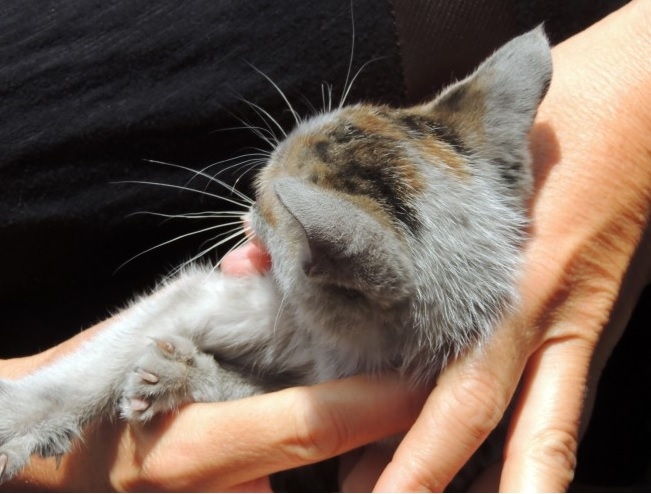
(246, 260)
(218, 446)
(540, 454)
(467, 403)
(366, 467)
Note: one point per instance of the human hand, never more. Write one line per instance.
(230, 446)
(585, 266)
(586, 263)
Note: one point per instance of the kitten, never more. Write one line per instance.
(395, 237)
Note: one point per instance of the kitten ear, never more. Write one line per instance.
(346, 246)
(492, 110)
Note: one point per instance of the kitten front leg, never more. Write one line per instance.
(44, 412)
(27, 427)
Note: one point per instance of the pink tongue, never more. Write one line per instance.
(250, 259)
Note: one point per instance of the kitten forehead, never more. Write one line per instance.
(411, 131)
(359, 153)
(375, 156)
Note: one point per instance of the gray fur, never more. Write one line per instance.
(513, 81)
(351, 290)
(345, 246)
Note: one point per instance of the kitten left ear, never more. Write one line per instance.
(491, 111)
(345, 246)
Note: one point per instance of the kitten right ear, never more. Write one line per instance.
(491, 112)
(345, 246)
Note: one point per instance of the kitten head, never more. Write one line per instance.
(397, 232)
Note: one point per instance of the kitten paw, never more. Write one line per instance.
(171, 372)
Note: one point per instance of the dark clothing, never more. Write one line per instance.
(90, 91)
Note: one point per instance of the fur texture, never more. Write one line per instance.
(396, 238)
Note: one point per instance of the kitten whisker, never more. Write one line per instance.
(237, 244)
(297, 118)
(323, 95)
(255, 158)
(252, 161)
(280, 310)
(192, 216)
(252, 166)
(352, 81)
(245, 126)
(349, 82)
(188, 189)
(262, 113)
(230, 233)
(264, 133)
(175, 239)
(237, 231)
(227, 237)
(346, 87)
(248, 164)
(210, 178)
(312, 108)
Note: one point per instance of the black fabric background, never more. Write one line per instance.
(89, 91)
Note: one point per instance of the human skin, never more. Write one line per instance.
(585, 266)
(230, 446)
(586, 263)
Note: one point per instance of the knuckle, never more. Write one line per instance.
(555, 450)
(319, 432)
(149, 477)
(155, 473)
(477, 402)
(131, 482)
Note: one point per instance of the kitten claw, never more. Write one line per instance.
(57, 461)
(3, 463)
(138, 404)
(147, 376)
(165, 346)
